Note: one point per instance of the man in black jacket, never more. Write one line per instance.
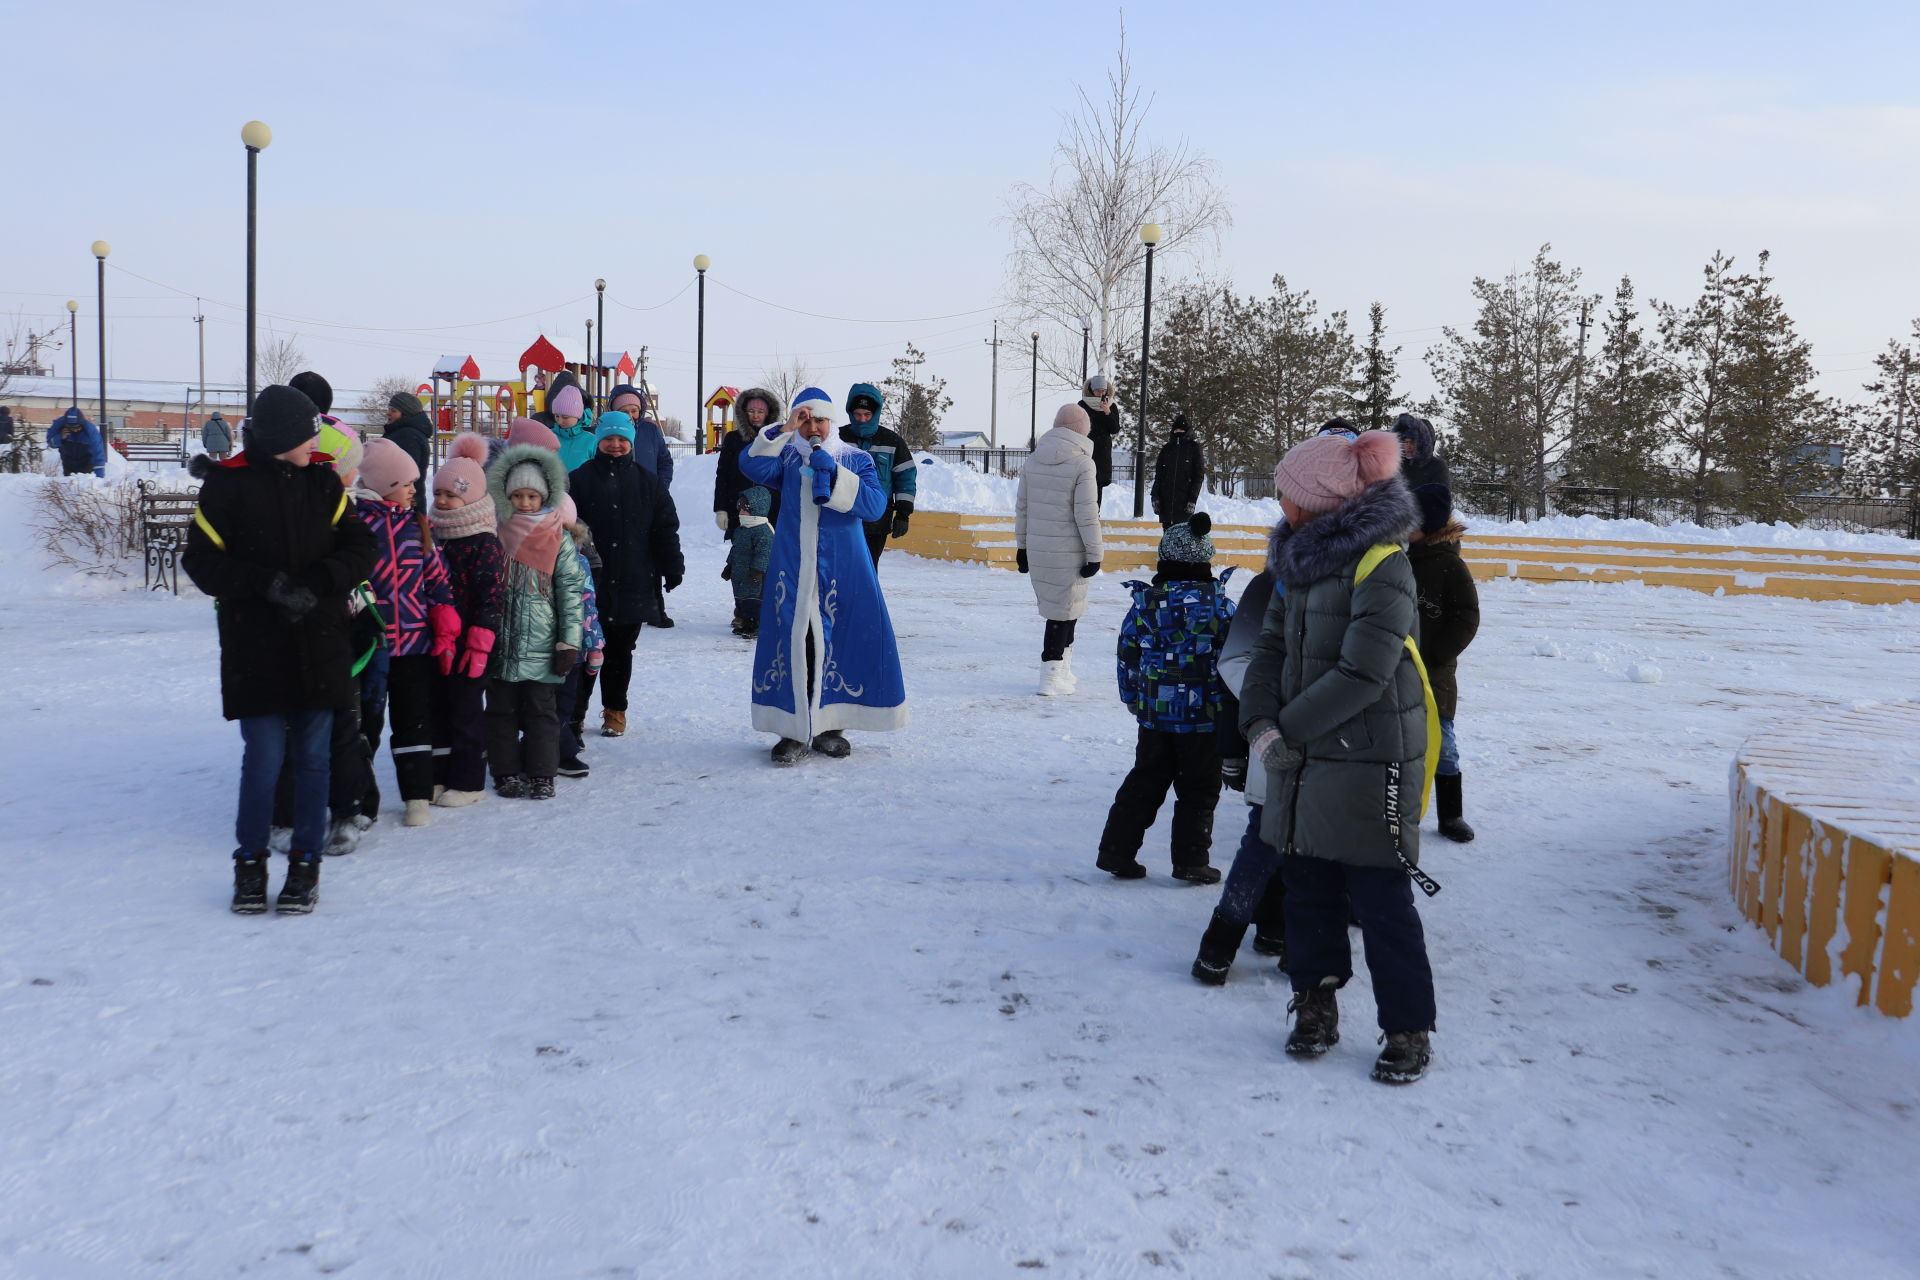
(1178, 475)
(276, 544)
(1103, 424)
(637, 533)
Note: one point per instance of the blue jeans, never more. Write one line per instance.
(1255, 864)
(1449, 752)
(305, 736)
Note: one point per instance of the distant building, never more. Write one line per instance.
(135, 408)
(965, 440)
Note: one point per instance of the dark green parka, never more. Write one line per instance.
(1331, 671)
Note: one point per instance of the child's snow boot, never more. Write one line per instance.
(249, 884)
(612, 723)
(1218, 946)
(573, 767)
(1446, 792)
(511, 787)
(302, 889)
(459, 799)
(539, 788)
(1200, 874)
(1405, 1058)
(418, 814)
(343, 837)
(1316, 1022)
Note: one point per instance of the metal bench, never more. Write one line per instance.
(154, 451)
(165, 516)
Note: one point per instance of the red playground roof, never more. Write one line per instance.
(542, 355)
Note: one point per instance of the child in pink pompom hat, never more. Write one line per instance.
(1334, 705)
(465, 525)
(527, 431)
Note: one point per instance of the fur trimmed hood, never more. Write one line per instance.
(1382, 512)
(514, 455)
(774, 410)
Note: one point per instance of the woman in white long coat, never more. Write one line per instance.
(1056, 525)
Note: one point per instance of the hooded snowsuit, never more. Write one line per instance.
(1056, 520)
(826, 658)
(543, 612)
(1178, 476)
(577, 442)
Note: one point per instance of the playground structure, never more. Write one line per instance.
(461, 400)
(719, 418)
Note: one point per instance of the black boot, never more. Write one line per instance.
(1446, 790)
(302, 888)
(1405, 1058)
(250, 885)
(789, 751)
(1270, 921)
(833, 744)
(1218, 946)
(1316, 1022)
(1201, 874)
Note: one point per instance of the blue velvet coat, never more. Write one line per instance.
(821, 585)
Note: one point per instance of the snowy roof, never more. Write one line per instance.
(131, 391)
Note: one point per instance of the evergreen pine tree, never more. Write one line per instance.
(1377, 399)
(1885, 449)
(914, 407)
(1624, 407)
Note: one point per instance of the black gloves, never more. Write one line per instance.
(1020, 559)
(671, 582)
(1233, 773)
(900, 523)
(726, 571)
(563, 660)
(295, 602)
(1090, 568)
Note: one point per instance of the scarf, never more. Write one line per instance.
(752, 522)
(533, 538)
(464, 522)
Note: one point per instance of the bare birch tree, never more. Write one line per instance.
(1077, 249)
(280, 359)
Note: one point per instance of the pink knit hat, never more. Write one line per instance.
(569, 514)
(567, 402)
(386, 467)
(1073, 418)
(467, 445)
(462, 478)
(1321, 473)
(527, 431)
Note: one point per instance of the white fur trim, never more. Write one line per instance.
(846, 488)
(769, 443)
(752, 522)
(818, 408)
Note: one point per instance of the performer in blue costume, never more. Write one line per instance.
(826, 659)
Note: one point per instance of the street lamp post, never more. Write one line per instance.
(1033, 405)
(1149, 236)
(593, 371)
(100, 251)
(1086, 338)
(700, 264)
(73, 347)
(254, 136)
(600, 356)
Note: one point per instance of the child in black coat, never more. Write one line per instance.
(1449, 617)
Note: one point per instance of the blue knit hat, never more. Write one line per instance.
(816, 402)
(614, 423)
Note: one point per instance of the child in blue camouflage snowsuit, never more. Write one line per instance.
(747, 562)
(1170, 680)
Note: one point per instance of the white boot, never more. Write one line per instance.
(1066, 667)
(457, 799)
(418, 814)
(1054, 679)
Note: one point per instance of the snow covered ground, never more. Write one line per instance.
(883, 1018)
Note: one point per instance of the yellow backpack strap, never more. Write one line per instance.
(340, 510)
(206, 527)
(1375, 557)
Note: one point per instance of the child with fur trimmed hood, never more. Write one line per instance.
(415, 597)
(465, 522)
(572, 714)
(541, 630)
(1334, 705)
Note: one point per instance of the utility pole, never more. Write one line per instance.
(643, 372)
(993, 424)
(200, 323)
(1579, 387)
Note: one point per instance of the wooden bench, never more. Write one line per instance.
(154, 452)
(1825, 848)
(165, 516)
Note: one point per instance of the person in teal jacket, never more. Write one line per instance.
(893, 464)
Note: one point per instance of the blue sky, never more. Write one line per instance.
(439, 164)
